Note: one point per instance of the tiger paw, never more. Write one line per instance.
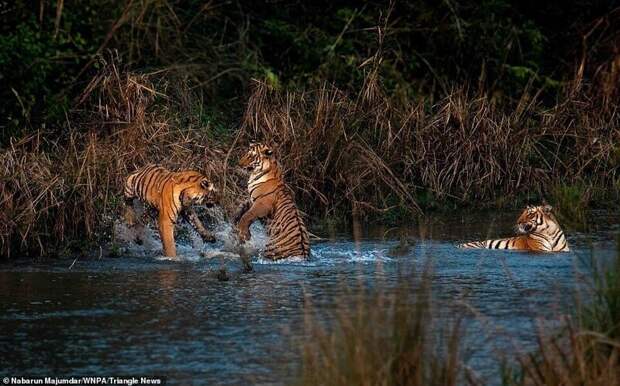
(244, 236)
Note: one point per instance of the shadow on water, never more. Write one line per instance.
(150, 316)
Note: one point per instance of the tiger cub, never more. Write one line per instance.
(539, 229)
(171, 194)
(271, 200)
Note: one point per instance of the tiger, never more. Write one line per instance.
(539, 229)
(171, 194)
(271, 200)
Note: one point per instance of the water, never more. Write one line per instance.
(148, 316)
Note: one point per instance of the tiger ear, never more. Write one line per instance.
(547, 208)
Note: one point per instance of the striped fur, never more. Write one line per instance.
(171, 194)
(540, 231)
(271, 200)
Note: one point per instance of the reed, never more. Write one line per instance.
(375, 153)
(61, 192)
(586, 349)
(382, 338)
(365, 152)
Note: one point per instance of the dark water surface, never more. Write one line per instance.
(145, 317)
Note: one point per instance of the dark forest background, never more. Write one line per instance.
(48, 48)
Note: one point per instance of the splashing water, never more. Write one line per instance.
(127, 237)
(191, 247)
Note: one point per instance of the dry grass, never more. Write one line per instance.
(375, 154)
(364, 153)
(586, 350)
(393, 338)
(377, 338)
(573, 357)
(55, 192)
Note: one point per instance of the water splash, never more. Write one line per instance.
(127, 237)
(334, 252)
(191, 248)
(145, 241)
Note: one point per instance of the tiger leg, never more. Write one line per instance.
(193, 219)
(133, 218)
(129, 213)
(166, 233)
(259, 208)
(243, 207)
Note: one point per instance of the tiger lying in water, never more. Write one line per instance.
(539, 230)
(271, 199)
(171, 194)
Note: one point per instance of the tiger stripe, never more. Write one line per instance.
(540, 232)
(272, 200)
(171, 194)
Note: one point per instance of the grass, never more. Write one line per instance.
(586, 349)
(364, 152)
(379, 338)
(392, 337)
(369, 112)
(57, 189)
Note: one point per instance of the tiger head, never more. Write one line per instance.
(202, 192)
(536, 219)
(259, 158)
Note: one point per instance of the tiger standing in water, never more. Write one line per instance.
(539, 229)
(171, 194)
(271, 200)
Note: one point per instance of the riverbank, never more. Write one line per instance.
(347, 156)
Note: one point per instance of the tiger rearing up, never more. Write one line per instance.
(539, 231)
(171, 194)
(271, 200)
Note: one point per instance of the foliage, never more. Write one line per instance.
(378, 338)
(47, 47)
(382, 109)
(585, 350)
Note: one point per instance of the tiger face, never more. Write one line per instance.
(258, 158)
(534, 219)
(200, 193)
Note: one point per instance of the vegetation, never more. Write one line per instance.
(377, 109)
(586, 350)
(382, 338)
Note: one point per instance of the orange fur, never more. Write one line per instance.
(170, 193)
(271, 199)
(540, 231)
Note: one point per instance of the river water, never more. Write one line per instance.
(141, 315)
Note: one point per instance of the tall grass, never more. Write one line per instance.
(375, 153)
(586, 349)
(394, 338)
(378, 338)
(61, 190)
(363, 152)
